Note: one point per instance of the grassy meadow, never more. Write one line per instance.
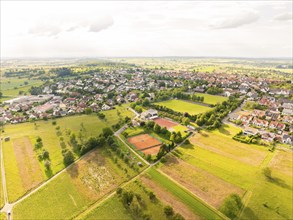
(212, 99)
(20, 158)
(184, 106)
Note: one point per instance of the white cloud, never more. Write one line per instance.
(45, 30)
(101, 24)
(284, 17)
(145, 28)
(236, 21)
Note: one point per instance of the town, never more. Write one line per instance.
(268, 111)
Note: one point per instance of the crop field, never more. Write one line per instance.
(184, 106)
(76, 188)
(197, 206)
(168, 198)
(230, 163)
(84, 126)
(165, 123)
(145, 143)
(208, 187)
(212, 99)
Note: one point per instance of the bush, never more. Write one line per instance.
(119, 191)
(231, 206)
(152, 196)
(168, 210)
(68, 157)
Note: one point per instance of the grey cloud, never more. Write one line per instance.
(283, 17)
(101, 24)
(45, 30)
(236, 21)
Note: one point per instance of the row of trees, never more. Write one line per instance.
(185, 96)
(43, 154)
(212, 119)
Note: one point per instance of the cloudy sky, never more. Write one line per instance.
(146, 28)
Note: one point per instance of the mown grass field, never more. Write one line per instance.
(184, 106)
(212, 99)
(77, 188)
(242, 166)
(183, 195)
(86, 125)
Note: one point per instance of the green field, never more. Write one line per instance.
(92, 127)
(212, 99)
(10, 87)
(185, 196)
(241, 165)
(97, 174)
(110, 209)
(3, 216)
(114, 209)
(1, 192)
(184, 106)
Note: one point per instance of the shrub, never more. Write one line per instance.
(168, 210)
(232, 205)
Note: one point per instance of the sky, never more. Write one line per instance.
(146, 28)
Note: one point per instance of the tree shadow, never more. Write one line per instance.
(223, 130)
(73, 170)
(188, 146)
(279, 182)
(49, 173)
(249, 214)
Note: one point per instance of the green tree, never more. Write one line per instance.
(68, 157)
(127, 197)
(168, 210)
(88, 111)
(231, 206)
(157, 128)
(47, 164)
(107, 132)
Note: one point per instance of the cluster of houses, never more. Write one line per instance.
(274, 124)
(103, 90)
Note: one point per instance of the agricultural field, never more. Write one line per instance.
(234, 167)
(184, 106)
(75, 189)
(212, 99)
(198, 207)
(23, 169)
